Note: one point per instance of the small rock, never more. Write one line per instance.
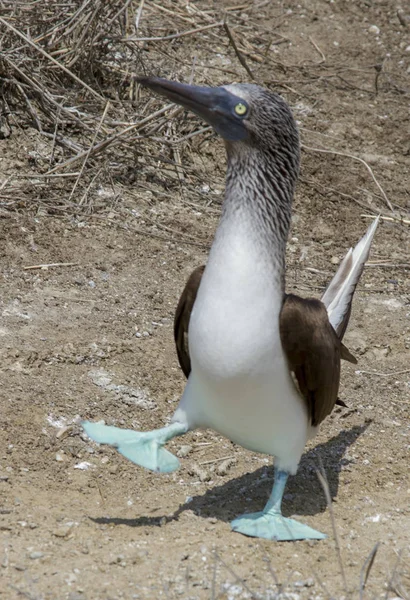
(64, 432)
(60, 457)
(224, 466)
(335, 260)
(374, 29)
(36, 555)
(184, 451)
(202, 474)
(22, 523)
(83, 466)
(63, 531)
(304, 583)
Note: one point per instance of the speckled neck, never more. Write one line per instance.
(259, 190)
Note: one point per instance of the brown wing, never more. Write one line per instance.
(313, 351)
(182, 317)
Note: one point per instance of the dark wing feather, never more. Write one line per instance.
(313, 351)
(182, 317)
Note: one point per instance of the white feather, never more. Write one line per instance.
(338, 296)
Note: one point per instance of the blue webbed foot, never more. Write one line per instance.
(270, 524)
(142, 448)
(274, 527)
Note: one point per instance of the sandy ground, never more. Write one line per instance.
(94, 340)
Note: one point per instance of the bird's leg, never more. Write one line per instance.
(142, 448)
(270, 524)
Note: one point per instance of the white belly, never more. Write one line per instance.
(240, 384)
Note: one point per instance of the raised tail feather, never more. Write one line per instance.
(338, 296)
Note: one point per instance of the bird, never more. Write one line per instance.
(262, 365)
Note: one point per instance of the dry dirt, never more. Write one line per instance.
(94, 340)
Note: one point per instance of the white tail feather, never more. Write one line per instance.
(338, 296)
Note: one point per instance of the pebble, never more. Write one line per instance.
(374, 29)
(305, 583)
(36, 555)
(64, 432)
(63, 531)
(202, 474)
(184, 451)
(82, 466)
(224, 466)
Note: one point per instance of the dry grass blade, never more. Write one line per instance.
(366, 568)
(322, 56)
(398, 219)
(353, 157)
(173, 36)
(392, 374)
(49, 265)
(138, 16)
(324, 483)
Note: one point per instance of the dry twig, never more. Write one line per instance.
(353, 157)
(324, 483)
(49, 265)
(393, 218)
(237, 52)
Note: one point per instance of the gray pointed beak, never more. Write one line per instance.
(215, 105)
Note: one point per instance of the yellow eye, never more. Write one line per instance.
(241, 109)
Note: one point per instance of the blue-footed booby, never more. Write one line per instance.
(263, 366)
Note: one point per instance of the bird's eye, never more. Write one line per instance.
(241, 109)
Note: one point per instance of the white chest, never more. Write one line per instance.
(240, 384)
(234, 324)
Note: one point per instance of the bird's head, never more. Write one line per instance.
(244, 113)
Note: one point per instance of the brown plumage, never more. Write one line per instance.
(182, 317)
(311, 345)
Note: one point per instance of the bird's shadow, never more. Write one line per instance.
(304, 494)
